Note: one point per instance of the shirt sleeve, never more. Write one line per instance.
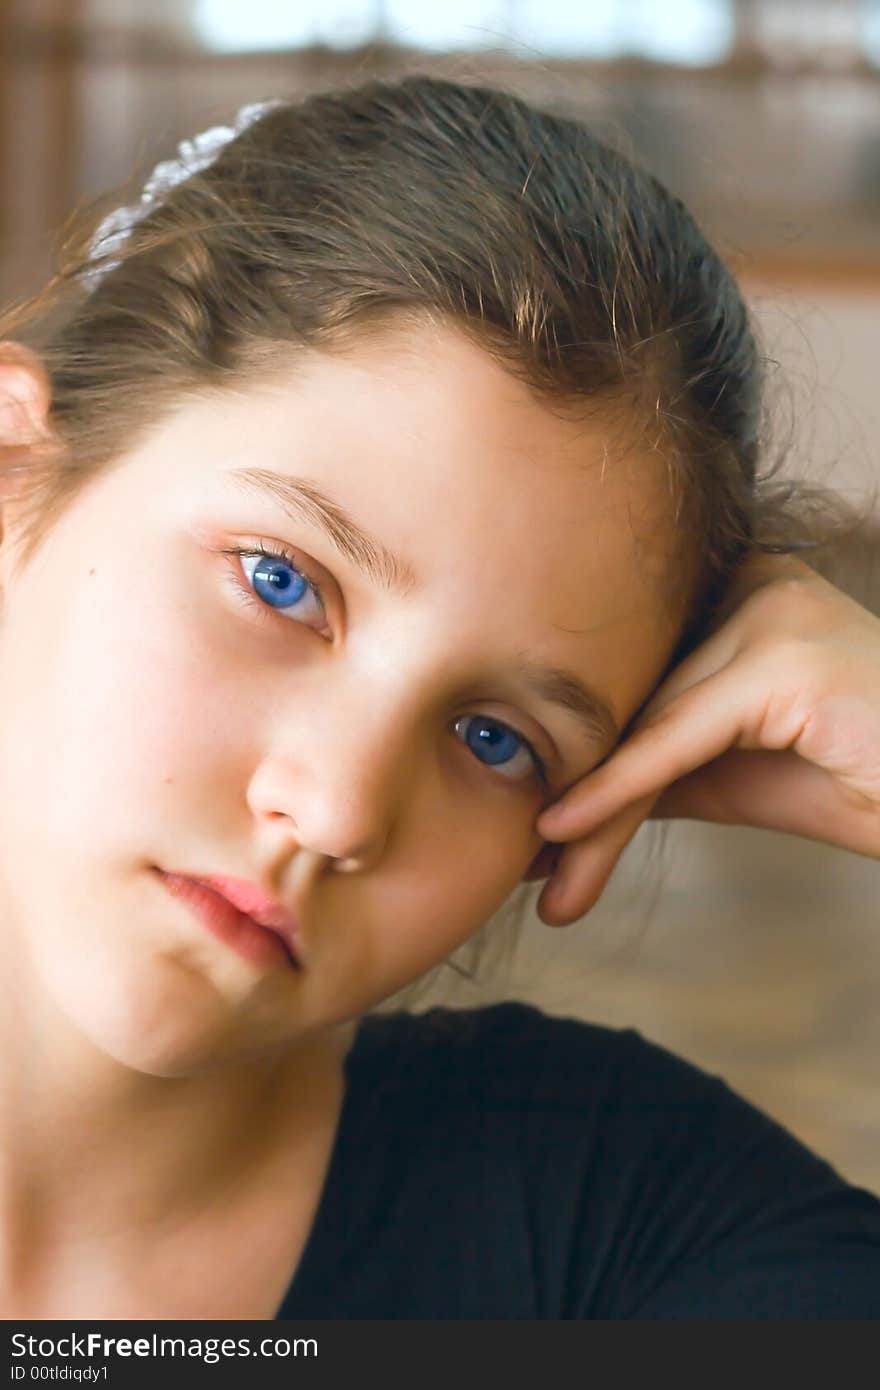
(659, 1193)
(757, 1226)
(724, 1214)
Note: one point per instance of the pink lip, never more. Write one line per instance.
(241, 914)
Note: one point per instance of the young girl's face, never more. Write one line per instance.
(363, 756)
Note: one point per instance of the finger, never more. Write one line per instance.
(584, 868)
(698, 725)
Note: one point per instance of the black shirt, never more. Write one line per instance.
(502, 1163)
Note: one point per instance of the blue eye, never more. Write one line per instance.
(497, 746)
(280, 584)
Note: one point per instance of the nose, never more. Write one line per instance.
(337, 781)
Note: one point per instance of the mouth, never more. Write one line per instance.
(254, 940)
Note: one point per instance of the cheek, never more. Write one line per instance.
(107, 702)
(444, 892)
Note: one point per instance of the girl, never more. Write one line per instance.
(382, 527)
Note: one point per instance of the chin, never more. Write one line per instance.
(173, 1051)
(162, 1018)
(154, 1047)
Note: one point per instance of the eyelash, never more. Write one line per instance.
(275, 550)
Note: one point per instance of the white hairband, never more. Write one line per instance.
(192, 156)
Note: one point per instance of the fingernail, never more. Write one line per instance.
(553, 899)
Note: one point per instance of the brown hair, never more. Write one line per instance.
(331, 216)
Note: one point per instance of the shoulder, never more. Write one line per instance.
(649, 1182)
(518, 1049)
(650, 1120)
(508, 1047)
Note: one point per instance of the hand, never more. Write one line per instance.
(773, 722)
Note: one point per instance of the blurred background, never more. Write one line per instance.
(756, 955)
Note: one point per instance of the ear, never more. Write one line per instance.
(544, 862)
(25, 396)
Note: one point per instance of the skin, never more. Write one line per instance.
(149, 717)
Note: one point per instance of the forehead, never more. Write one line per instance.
(423, 411)
(425, 428)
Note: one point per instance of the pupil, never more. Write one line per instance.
(499, 744)
(276, 580)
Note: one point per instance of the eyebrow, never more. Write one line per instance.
(568, 691)
(302, 501)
